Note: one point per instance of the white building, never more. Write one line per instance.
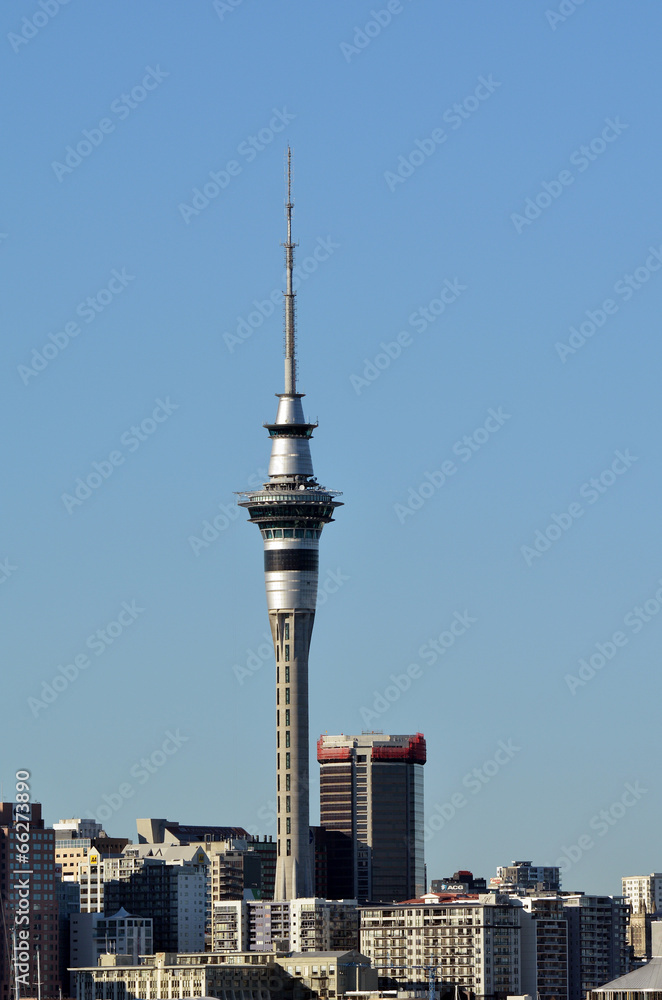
(643, 892)
(296, 925)
(93, 935)
(472, 942)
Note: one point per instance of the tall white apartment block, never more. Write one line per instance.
(643, 892)
(473, 942)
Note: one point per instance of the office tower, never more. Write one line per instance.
(28, 899)
(371, 789)
(290, 510)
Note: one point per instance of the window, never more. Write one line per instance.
(288, 825)
(287, 761)
(287, 782)
(287, 653)
(287, 738)
(287, 630)
(287, 716)
(278, 533)
(287, 696)
(287, 804)
(288, 848)
(287, 675)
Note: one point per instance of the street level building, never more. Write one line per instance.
(371, 790)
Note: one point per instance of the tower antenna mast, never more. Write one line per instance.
(290, 329)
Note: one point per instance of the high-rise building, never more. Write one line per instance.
(28, 900)
(471, 942)
(290, 510)
(643, 892)
(597, 941)
(172, 895)
(371, 789)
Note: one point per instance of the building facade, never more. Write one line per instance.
(473, 943)
(172, 894)
(289, 925)
(371, 790)
(230, 977)
(598, 948)
(291, 510)
(643, 892)
(29, 901)
(524, 875)
(544, 948)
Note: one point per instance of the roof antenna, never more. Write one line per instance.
(290, 332)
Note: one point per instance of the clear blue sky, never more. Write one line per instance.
(475, 180)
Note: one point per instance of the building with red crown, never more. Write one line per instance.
(371, 789)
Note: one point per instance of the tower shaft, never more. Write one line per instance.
(291, 509)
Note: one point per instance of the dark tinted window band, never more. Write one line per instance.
(291, 559)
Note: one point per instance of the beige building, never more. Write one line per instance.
(643, 892)
(472, 942)
(229, 977)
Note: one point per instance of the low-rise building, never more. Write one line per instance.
(249, 976)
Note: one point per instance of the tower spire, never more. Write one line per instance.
(290, 331)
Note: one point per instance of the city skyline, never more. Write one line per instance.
(477, 213)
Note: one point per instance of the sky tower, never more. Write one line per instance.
(290, 510)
